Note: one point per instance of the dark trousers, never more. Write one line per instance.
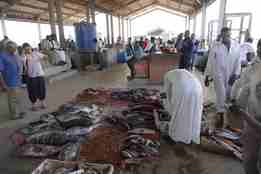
(131, 64)
(185, 62)
(36, 89)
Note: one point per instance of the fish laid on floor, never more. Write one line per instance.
(38, 150)
(65, 167)
(70, 152)
(56, 138)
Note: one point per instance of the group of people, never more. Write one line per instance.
(55, 52)
(137, 50)
(187, 49)
(236, 71)
(24, 65)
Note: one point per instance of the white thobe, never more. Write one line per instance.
(184, 103)
(222, 64)
(244, 49)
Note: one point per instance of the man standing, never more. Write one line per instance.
(247, 52)
(194, 50)
(186, 52)
(224, 67)
(246, 95)
(178, 44)
(10, 80)
(131, 59)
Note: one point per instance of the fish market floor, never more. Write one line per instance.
(175, 159)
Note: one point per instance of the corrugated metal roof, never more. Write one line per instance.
(74, 10)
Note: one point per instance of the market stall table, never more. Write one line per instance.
(154, 66)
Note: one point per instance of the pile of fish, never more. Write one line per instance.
(136, 95)
(227, 140)
(83, 130)
(230, 140)
(57, 134)
(137, 147)
(61, 167)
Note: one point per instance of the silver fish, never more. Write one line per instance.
(70, 152)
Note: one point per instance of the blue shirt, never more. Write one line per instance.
(139, 53)
(9, 67)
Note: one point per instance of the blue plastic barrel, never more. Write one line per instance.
(86, 39)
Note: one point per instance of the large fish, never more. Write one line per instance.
(38, 150)
(70, 152)
(56, 138)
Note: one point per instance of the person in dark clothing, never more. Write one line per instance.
(141, 42)
(194, 51)
(178, 44)
(186, 52)
(132, 59)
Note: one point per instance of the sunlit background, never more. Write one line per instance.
(22, 32)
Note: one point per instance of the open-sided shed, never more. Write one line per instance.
(75, 10)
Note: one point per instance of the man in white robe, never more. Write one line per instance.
(224, 68)
(184, 102)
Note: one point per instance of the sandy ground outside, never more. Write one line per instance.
(175, 159)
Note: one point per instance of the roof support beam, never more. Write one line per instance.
(173, 8)
(140, 9)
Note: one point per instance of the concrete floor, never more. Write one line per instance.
(172, 160)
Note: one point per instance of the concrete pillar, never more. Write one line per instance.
(194, 24)
(59, 4)
(108, 29)
(204, 20)
(51, 9)
(222, 11)
(112, 31)
(187, 23)
(39, 30)
(92, 10)
(3, 25)
(123, 31)
(88, 20)
(119, 23)
(130, 29)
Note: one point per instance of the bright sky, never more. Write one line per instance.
(28, 32)
(158, 19)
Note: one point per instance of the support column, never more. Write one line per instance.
(194, 24)
(203, 22)
(119, 20)
(59, 4)
(127, 28)
(222, 11)
(52, 16)
(130, 29)
(108, 29)
(92, 10)
(39, 30)
(112, 31)
(123, 32)
(88, 20)
(3, 25)
(187, 23)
